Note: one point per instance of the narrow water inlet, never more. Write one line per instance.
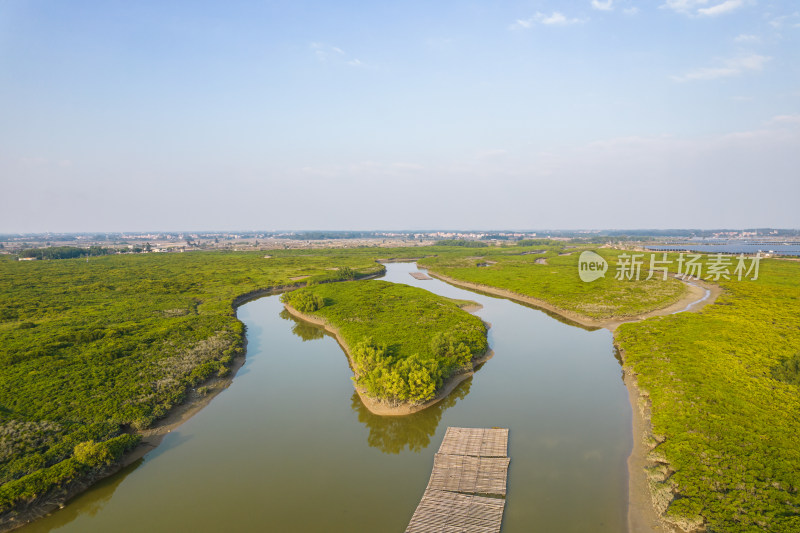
(705, 297)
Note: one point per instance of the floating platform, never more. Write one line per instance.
(467, 488)
(420, 275)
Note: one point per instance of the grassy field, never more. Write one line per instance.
(404, 342)
(726, 404)
(552, 276)
(91, 349)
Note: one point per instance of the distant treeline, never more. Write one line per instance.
(534, 242)
(65, 252)
(321, 235)
(462, 242)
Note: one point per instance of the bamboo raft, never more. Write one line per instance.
(467, 488)
(419, 275)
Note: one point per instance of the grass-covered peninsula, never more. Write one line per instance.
(405, 344)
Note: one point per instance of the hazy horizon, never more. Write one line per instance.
(539, 231)
(138, 117)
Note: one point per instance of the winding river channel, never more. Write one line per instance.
(289, 447)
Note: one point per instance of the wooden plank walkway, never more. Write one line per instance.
(467, 488)
(480, 442)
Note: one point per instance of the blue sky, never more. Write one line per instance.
(306, 115)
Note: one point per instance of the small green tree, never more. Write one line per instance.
(92, 453)
(304, 301)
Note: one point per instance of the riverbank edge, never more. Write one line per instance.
(379, 407)
(151, 437)
(643, 516)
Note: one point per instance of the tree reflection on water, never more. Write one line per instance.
(305, 330)
(393, 434)
(88, 503)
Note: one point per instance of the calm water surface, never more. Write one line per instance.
(289, 446)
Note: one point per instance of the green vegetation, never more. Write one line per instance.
(726, 404)
(90, 349)
(788, 371)
(462, 243)
(88, 457)
(305, 302)
(404, 342)
(65, 252)
(535, 242)
(548, 273)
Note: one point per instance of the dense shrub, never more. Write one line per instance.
(408, 379)
(404, 342)
(303, 301)
(788, 371)
(462, 243)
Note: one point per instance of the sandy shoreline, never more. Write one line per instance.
(376, 406)
(642, 514)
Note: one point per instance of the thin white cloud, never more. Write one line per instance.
(703, 7)
(327, 52)
(746, 38)
(556, 18)
(603, 6)
(730, 67)
(324, 51)
(778, 22)
(785, 119)
(721, 9)
(631, 10)
(683, 6)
